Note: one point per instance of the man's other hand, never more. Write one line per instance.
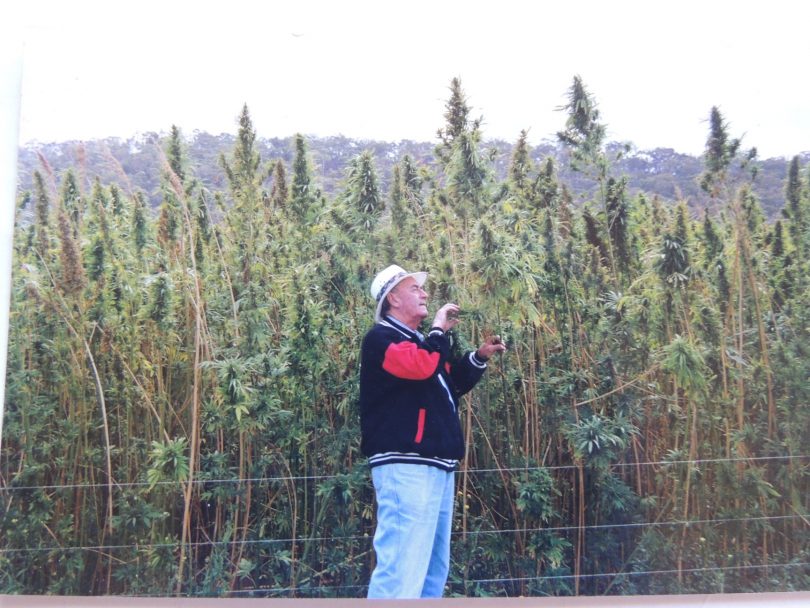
(493, 345)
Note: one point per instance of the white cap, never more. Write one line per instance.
(386, 280)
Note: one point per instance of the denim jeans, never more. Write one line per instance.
(412, 539)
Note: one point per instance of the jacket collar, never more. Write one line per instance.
(390, 321)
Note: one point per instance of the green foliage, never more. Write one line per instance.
(302, 190)
(673, 261)
(457, 116)
(686, 364)
(280, 192)
(169, 461)
(181, 387)
(363, 192)
(583, 133)
(535, 496)
(720, 152)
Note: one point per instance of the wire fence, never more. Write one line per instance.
(301, 590)
(303, 478)
(700, 570)
(358, 590)
(367, 537)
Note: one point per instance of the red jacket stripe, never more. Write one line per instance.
(407, 361)
(420, 426)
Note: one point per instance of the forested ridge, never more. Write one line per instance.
(134, 163)
(181, 390)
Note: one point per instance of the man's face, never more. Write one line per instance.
(409, 301)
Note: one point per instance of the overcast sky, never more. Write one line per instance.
(381, 69)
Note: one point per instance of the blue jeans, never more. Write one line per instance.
(412, 539)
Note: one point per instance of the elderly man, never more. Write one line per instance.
(409, 397)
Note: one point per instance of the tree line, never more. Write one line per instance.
(134, 164)
(181, 386)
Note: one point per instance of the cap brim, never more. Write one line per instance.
(420, 277)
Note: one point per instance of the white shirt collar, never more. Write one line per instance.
(390, 321)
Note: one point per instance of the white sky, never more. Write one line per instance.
(381, 69)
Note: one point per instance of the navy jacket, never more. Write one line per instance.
(409, 395)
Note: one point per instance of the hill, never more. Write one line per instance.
(134, 163)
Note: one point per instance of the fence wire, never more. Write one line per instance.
(9, 491)
(304, 478)
(367, 537)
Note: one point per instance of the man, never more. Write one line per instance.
(409, 397)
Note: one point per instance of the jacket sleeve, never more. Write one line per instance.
(467, 371)
(410, 361)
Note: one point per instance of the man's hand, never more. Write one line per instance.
(493, 345)
(446, 317)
